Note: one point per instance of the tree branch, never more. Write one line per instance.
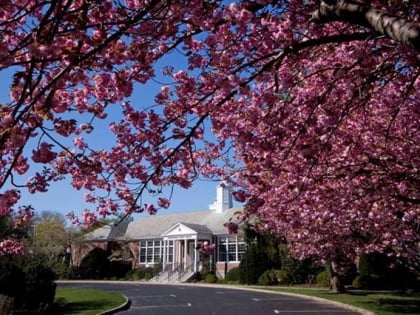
(397, 28)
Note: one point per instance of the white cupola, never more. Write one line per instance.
(223, 198)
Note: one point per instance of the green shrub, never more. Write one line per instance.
(364, 265)
(30, 281)
(39, 286)
(269, 277)
(210, 278)
(136, 274)
(371, 282)
(375, 272)
(283, 277)
(360, 282)
(140, 274)
(298, 271)
(232, 275)
(12, 280)
(323, 278)
(357, 282)
(149, 273)
(253, 264)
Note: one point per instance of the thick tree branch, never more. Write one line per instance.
(399, 29)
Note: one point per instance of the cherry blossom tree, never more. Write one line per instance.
(310, 109)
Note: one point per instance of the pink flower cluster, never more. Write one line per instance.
(207, 249)
(11, 247)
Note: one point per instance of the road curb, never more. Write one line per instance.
(125, 306)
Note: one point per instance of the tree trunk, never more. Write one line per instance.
(397, 28)
(6, 305)
(336, 285)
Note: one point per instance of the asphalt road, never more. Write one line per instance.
(157, 299)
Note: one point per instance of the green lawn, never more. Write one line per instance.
(77, 301)
(378, 303)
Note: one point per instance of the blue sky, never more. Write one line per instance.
(62, 198)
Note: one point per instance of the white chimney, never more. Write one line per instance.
(223, 198)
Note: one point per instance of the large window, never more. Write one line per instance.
(230, 248)
(151, 252)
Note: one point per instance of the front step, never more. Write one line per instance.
(172, 277)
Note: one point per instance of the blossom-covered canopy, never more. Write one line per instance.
(309, 108)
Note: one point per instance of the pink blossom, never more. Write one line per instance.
(88, 218)
(239, 196)
(11, 247)
(164, 203)
(232, 227)
(207, 249)
(43, 154)
(314, 119)
(79, 143)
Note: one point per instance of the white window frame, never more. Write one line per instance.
(236, 245)
(153, 248)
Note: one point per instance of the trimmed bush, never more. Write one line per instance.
(269, 277)
(210, 278)
(39, 287)
(323, 279)
(298, 271)
(30, 282)
(140, 274)
(360, 282)
(284, 277)
(375, 272)
(12, 280)
(233, 275)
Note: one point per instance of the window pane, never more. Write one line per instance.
(157, 257)
(232, 251)
(171, 254)
(143, 255)
(222, 252)
(149, 254)
(241, 250)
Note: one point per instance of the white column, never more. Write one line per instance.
(185, 254)
(179, 254)
(164, 254)
(174, 254)
(195, 254)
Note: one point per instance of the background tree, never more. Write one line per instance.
(312, 108)
(50, 235)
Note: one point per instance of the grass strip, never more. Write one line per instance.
(76, 301)
(380, 303)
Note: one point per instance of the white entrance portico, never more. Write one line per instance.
(181, 246)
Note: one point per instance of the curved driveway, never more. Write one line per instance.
(194, 299)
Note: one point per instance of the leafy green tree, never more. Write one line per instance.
(298, 271)
(50, 235)
(253, 264)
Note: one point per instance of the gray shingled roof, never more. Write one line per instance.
(154, 226)
(118, 232)
(107, 233)
(100, 234)
(199, 228)
(203, 222)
